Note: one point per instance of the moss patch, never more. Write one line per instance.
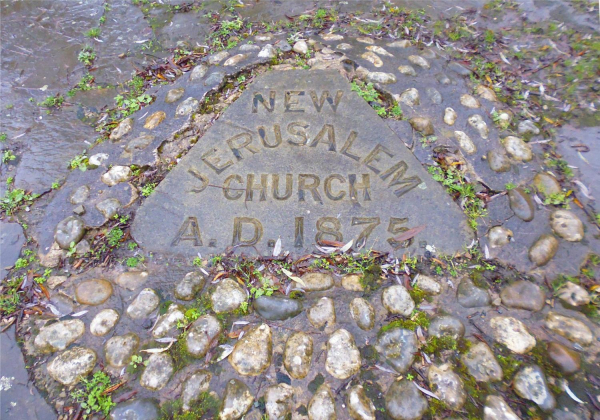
(371, 278)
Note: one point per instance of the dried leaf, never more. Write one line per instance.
(426, 392)
(347, 246)
(227, 349)
(410, 233)
(158, 350)
(573, 396)
(78, 314)
(277, 248)
(292, 277)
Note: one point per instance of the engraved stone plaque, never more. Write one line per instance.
(300, 157)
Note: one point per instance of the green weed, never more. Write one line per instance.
(87, 55)
(92, 397)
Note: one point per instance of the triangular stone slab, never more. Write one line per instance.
(300, 157)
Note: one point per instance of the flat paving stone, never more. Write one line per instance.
(306, 150)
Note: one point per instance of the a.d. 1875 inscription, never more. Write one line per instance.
(302, 158)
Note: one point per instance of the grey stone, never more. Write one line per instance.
(434, 95)
(512, 333)
(158, 371)
(530, 383)
(567, 225)
(398, 346)
(218, 57)
(352, 282)
(103, 322)
(235, 60)
(443, 79)
(497, 409)
(450, 116)
(459, 69)
(573, 294)
(69, 230)
(214, 78)
(187, 107)
(428, 285)
(360, 407)
(132, 280)
(116, 175)
(189, 226)
(486, 93)
(277, 308)
(83, 247)
(167, 323)
(58, 335)
(499, 236)
(144, 304)
(567, 360)
(80, 195)
(476, 121)
(251, 355)
(446, 325)
(201, 335)
(373, 59)
(197, 73)
(119, 349)
(570, 328)
(546, 184)
(283, 45)
(268, 51)
(481, 363)
(227, 296)
(523, 294)
(70, 366)
(297, 354)
(543, 250)
(322, 313)
(154, 120)
(403, 401)
(122, 129)
(471, 296)
(53, 257)
(79, 210)
(517, 148)
(343, 357)
(410, 97)
(407, 70)
(96, 160)
(498, 161)
(237, 400)
(422, 125)
(278, 401)
(419, 61)
(314, 282)
(322, 404)
(521, 204)
(300, 47)
(139, 143)
(447, 385)
(362, 313)
(194, 386)
(469, 101)
(93, 291)
(141, 409)
(174, 95)
(54, 281)
(528, 127)
(404, 43)
(381, 77)
(465, 142)
(397, 300)
(190, 285)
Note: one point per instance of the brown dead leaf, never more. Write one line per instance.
(410, 233)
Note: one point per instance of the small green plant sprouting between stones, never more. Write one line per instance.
(13, 198)
(93, 33)
(114, 236)
(136, 363)
(92, 397)
(87, 55)
(3, 137)
(8, 156)
(365, 90)
(510, 186)
(558, 199)
(462, 190)
(52, 101)
(79, 161)
(133, 262)
(132, 104)
(148, 189)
